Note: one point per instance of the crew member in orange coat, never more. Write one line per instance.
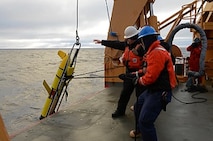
(159, 80)
(194, 65)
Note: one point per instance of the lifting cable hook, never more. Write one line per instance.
(77, 38)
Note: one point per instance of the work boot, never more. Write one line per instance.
(117, 114)
(132, 108)
(133, 134)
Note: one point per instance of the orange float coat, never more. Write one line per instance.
(194, 57)
(159, 74)
(131, 59)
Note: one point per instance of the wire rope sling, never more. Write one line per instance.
(62, 78)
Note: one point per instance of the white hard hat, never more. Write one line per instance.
(130, 31)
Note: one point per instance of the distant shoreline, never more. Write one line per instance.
(65, 48)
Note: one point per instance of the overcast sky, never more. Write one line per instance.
(49, 23)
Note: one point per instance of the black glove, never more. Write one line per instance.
(127, 76)
(122, 76)
(130, 76)
(134, 77)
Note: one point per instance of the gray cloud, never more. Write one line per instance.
(164, 8)
(46, 19)
(49, 14)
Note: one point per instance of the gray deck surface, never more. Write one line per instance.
(91, 120)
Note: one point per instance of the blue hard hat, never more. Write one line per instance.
(147, 30)
(160, 38)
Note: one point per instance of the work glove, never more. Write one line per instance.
(134, 78)
(122, 76)
(130, 76)
(127, 76)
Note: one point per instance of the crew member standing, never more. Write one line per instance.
(159, 80)
(132, 59)
(194, 58)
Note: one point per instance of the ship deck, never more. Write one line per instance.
(90, 119)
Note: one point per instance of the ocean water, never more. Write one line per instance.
(21, 76)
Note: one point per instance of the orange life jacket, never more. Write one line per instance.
(131, 59)
(160, 74)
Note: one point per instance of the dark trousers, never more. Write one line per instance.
(147, 109)
(128, 88)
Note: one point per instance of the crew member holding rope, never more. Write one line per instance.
(159, 80)
(132, 59)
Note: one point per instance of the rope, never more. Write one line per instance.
(77, 16)
(95, 76)
(114, 34)
(77, 37)
(90, 77)
(193, 102)
(73, 62)
(110, 28)
(89, 72)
